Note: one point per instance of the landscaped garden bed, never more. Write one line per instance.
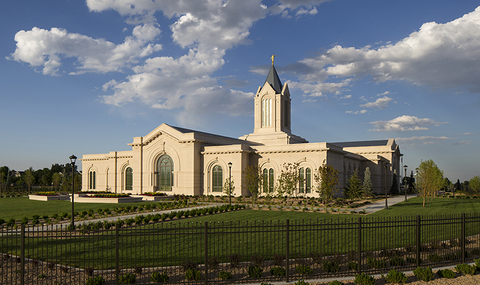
(48, 196)
(154, 196)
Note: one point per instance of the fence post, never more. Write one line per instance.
(462, 244)
(22, 255)
(359, 248)
(206, 252)
(117, 263)
(418, 240)
(287, 261)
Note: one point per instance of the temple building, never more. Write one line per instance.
(176, 160)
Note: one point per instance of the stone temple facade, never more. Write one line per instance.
(176, 160)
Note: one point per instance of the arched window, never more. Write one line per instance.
(271, 180)
(308, 180)
(129, 179)
(165, 173)
(92, 183)
(217, 179)
(265, 180)
(301, 186)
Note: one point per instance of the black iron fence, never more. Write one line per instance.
(235, 252)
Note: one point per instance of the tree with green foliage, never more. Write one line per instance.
(56, 180)
(367, 187)
(394, 187)
(354, 187)
(474, 184)
(288, 180)
(253, 179)
(429, 180)
(29, 178)
(229, 188)
(326, 180)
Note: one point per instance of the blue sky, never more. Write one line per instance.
(84, 77)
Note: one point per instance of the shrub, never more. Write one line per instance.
(278, 271)
(128, 278)
(304, 269)
(159, 277)
(256, 260)
(397, 261)
(301, 282)
(424, 274)
(373, 263)
(394, 276)
(434, 257)
(477, 262)
(42, 276)
(193, 274)
(335, 282)
(89, 271)
(225, 275)
(278, 259)
(353, 265)
(330, 266)
(446, 273)
(234, 260)
(364, 279)
(466, 269)
(97, 280)
(255, 271)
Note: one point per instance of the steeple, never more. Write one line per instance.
(274, 80)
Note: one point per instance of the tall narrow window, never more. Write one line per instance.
(92, 180)
(129, 179)
(308, 180)
(165, 173)
(271, 180)
(301, 186)
(217, 179)
(265, 180)
(266, 112)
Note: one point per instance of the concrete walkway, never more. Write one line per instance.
(380, 205)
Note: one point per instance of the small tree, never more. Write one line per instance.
(228, 187)
(429, 180)
(326, 180)
(367, 188)
(288, 180)
(29, 178)
(253, 180)
(354, 187)
(56, 179)
(474, 184)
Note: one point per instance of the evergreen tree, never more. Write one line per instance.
(394, 188)
(354, 187)
(367, 188)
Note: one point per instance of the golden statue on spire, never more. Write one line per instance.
(273, 58)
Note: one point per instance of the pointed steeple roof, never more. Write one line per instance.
(274, 80)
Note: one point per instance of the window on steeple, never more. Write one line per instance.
(266, 112)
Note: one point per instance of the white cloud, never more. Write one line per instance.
(422, 140)
(356, 112)
(405, 123)
(379, 104)
(438, 55)
(46, 48)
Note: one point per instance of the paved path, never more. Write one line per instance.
(380, 205)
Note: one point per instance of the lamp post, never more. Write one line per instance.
(416, 180)
(230, 183)
(386, 194)
(405, 182)
(72, 160)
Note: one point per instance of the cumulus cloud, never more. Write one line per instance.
(356, 112)
(423, 140)
(40, 47)
(405, 123)
(438, 55)
(379, 104)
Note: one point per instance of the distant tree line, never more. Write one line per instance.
(57, 178)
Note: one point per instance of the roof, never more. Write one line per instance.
(186, 131)
(362, 143)
(274, 80)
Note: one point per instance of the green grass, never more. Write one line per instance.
(19, 207)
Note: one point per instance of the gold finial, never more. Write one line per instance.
(273, 58)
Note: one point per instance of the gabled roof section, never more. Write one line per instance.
(274, 80)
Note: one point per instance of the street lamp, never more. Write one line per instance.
(405, 182)
(72, 160)
(230, 183)
(416, 180)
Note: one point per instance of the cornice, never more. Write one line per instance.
(292, 151)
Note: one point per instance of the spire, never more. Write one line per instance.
(274, 80)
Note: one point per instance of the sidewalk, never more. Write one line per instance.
(380, 205)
